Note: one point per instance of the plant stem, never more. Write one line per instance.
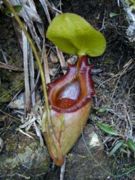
(22, 26)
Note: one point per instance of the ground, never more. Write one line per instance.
(114, 78)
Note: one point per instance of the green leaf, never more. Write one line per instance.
(107, 129)
(113, 14)
(102, 110)
(131, 144)
(17, 8)
(73, 35)
(116, 147)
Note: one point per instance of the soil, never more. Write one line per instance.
(114, 77)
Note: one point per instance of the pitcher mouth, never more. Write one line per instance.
(74, 89)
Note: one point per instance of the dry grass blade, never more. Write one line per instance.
(37, 57)
(61, 59)
(45, 7)
(32, 77)
(6, 65)
(26, 73)
(31, 17)
(45, 62)
(9, 67)
(62, 170)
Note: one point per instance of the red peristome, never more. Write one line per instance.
(74, 89)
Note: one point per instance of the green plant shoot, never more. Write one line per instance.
(74, 35)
